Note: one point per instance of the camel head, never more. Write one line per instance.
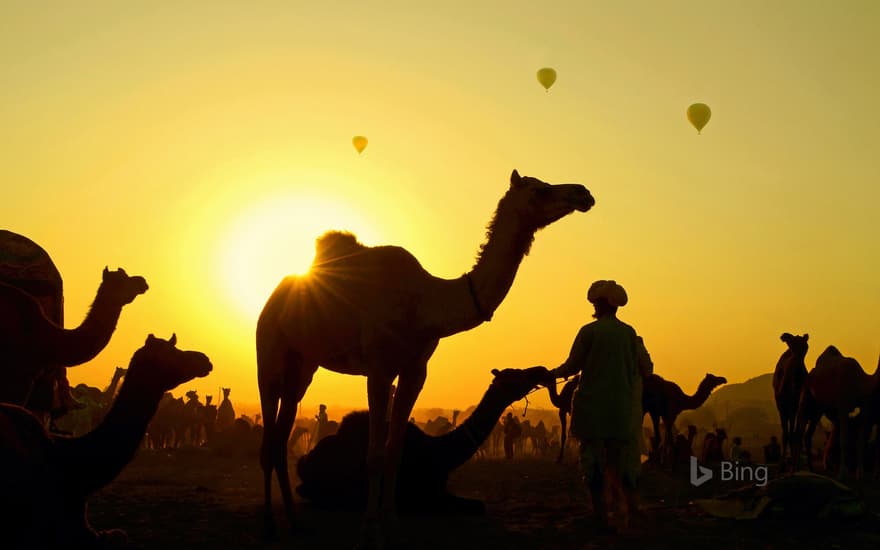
(514, 384)
(713, 381)
(160, 366)
(121, 287)
(119, 372)
(538, 204)
(208, 399)
(797, 344)
(226, 393)
(192, 395)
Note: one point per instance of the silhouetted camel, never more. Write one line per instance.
(788, 381)
(48, 478)
(334, 473)
(31, 343)
(562, 401)
(376, 312)
(92, 404)
(662, 399)
(836, 387)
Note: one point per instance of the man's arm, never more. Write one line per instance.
(646, 366)
(576, 356)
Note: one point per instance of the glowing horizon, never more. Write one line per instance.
(180, 142)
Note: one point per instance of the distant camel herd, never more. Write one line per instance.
(369, 311)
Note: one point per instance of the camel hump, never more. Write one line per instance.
(336, 244)
(832, 351)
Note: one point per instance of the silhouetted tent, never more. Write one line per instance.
(24, 264)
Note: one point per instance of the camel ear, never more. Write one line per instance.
(173, 340)
(122, 271)
(106, 272)
(515, 179)
(495, 372)
(806, 337)
(150, 339)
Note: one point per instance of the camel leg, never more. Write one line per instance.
(668, 446)
(861, 438)
(844, 421)
(562, 419)
(269, 408)
(283, 426)
(786, 433)
(288, 390)
(409, 385)
(378, 394)
(655, 438)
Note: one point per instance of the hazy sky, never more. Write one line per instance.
(206, 145)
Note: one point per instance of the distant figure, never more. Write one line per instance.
(713, 445)
(512, 433)
(772, 451)
(323, 420)
(684, 446)
(606, 412)
(225, 412)
(736, 449)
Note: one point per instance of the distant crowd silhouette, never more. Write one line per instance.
(375, 312)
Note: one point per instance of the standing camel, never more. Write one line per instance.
(664, 400)
(837, 387)
(562, 401)
(788, 381)
(30, 342)
(376, 312)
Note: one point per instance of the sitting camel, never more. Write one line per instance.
(376, 312)
(664, 400)
(839, 388)
(32, 343)
(788, 381)
(562, 401)
(334, 473)
(48, 478)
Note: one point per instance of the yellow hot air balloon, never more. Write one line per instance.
(546, 77)
(699, 114)
(360, 143)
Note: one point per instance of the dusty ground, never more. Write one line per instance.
(191, 499)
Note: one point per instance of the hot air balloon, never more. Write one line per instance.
(360, 143)
(699, 114)
(546, 77)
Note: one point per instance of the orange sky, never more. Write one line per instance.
(205, 146)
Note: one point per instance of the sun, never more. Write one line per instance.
(275, 237)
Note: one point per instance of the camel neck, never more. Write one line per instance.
(458, 446)
(554, 396)
(96, 458)
(464, 303)
(699, 397)
(499, 260)
(79, 345)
